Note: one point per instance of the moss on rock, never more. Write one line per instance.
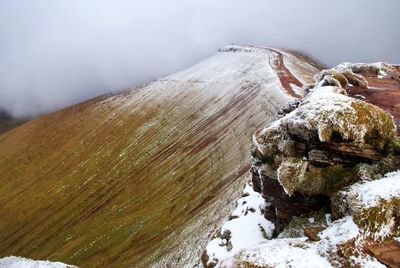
(379, 221)
(291, 173)
(341, 78)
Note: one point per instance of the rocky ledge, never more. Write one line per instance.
(320, 145)
(328, 170)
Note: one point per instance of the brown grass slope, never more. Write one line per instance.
(141, 177)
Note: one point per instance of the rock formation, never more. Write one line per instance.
(324, 168)
(328, 142)
(328, 153)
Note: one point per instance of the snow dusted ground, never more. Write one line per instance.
(246, 243)
(372, 192)
(374, 203)
(247, 227)
(285, 253)
(298, 252)
(19, 262)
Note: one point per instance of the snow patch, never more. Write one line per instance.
(372, 192)
(247, 228)
(301, 253)
(282, 253)
(20, 262)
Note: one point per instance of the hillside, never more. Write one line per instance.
(142, 177)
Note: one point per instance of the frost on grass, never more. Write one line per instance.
(19, 262)
(246, 227)
(374, 205)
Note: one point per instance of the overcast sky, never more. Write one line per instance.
(55, 53)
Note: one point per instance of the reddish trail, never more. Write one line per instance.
(286, 77)
(383, 92)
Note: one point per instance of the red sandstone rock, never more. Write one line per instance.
(387, 252)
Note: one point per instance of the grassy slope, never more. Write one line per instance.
(131, 179)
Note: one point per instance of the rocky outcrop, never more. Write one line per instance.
(328, 170)
(329, 141)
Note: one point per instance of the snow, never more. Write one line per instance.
(298, 252)
(230, 68)
(337, 232)
(250, 245)
(372, 192)
(325, 102)
(19, 262)
(245, 227)
(282, 253)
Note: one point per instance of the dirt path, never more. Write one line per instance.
(382, 91)
(286, 77)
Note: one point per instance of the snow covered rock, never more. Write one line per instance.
(374, 205)
(337, 247)
(246, 227)
(328, 142)
(323, 160)
(323, 116)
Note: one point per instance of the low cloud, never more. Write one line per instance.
(55, 53)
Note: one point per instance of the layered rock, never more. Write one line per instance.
(319, 168)
(329, 141)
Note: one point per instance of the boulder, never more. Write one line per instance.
(387, 252)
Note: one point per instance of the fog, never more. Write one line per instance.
(55, 53)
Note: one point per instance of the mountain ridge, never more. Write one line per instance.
(135, 178)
